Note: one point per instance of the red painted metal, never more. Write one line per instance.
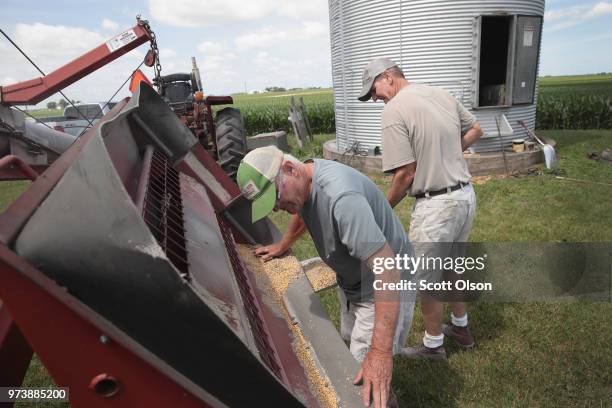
(105, 366)
(67, 337)
(15, 173)
(105, 385)
(12, 160)
(15, 352)
(36, 90)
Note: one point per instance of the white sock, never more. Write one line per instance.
(459, 321)
(433, 341)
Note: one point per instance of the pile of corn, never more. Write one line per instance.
(320, 276)
(276, 275)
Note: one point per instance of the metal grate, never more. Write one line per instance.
(262, 339)
(163, 211)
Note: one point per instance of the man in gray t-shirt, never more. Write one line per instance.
(352, 225)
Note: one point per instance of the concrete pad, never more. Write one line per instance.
(278, 139)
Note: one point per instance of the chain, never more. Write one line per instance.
(157, 67)
(355, 149)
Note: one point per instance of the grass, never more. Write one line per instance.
(578, 85)
(45, 113)
(311, 96)
(528, 354)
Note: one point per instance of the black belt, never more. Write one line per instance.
(443, 191)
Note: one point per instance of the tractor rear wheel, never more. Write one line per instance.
(231, 140)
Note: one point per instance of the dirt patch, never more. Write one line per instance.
(478, 180)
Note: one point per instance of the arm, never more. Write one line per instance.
(471, 136)
(377, 367)
(402, 180)
(295, 229)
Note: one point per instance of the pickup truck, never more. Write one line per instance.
(73, 123)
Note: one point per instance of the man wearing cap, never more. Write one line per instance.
(424, 133)
(352, 225)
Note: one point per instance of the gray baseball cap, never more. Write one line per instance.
(374, 68)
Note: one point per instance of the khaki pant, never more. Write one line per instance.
(445, 218)
(357, 323)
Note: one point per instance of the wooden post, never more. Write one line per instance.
(306, 119)
(293, 118)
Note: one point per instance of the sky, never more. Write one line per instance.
(242, 45)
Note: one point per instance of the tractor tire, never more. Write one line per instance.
(231, 140)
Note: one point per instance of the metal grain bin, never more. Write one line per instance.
(484, 52)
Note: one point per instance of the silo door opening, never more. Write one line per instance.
(495, 68)
(506, 60)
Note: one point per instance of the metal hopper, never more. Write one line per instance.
(119, 266)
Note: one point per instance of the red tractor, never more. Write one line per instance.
(222, 134)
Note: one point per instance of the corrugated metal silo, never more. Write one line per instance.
(484, 52)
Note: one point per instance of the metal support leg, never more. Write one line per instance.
(15, 352)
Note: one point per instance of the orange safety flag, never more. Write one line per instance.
(138, 76)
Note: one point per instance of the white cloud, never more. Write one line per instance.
(109, 25)
(214, 62)
(572, 16)
(304, 9)
(7, 80)
(580, 42)
(210, 47)
(600, 9)
(167, 53)
(269, 36)
(53, 41)
(184, 13)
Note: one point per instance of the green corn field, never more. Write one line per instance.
(269, 111)
(578, 102)
(570, 102)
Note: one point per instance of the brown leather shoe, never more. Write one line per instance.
(424, 352)
(461, 335)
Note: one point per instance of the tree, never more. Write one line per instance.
(51, 105)
(62, 103)
(275, 89)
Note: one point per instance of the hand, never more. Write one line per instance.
(376, 372)
(271, 251)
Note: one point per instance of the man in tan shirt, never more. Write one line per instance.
(424, 133)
